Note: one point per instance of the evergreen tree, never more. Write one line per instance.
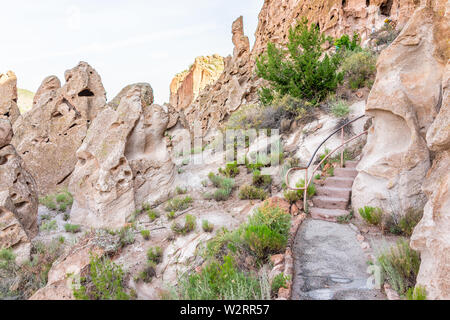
(301, 68)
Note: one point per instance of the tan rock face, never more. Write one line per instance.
(431, 236)
(18, 198)
(186, 86)
(123, 161)
(237, 85)
(48, 136)
(8, 96)
(334, 17)
(404, 101)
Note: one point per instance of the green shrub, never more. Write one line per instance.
(48, 201)
(417, 293)
(73, 228)
(259, 180)
(58, 201)
(279, 281)
(221, 194)
(105, 281)
(231, 170)
(126, 236)
(145, 234)
(171, 215)
(400, 265)
(155, 254)
(66, 216)
(292, 196)
(311, 188)
(179, 204)
(371, 215)
(6, 257)
(147, 274)
(221, 281)
(49, 226)
(408, 222)
(386, 35)
(61, 239)
(262, 240)
(189, 225)
(359, 68)
(339, 108)
(180, 190)
(247, 192)
(207, 226)
(301, 69)
(152, 214)
(344, 42)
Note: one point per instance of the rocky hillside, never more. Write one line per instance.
(96, 192)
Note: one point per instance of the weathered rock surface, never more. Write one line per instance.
(237, 85)
(48, 136)
(404, 101)
(186, 85)
(123, 161)
(431, 236)
(8, 96)
(18, 198)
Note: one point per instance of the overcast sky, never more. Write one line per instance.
(125, 41)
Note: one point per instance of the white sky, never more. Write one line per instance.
(125, 41)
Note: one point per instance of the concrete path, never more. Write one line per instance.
(330, 264)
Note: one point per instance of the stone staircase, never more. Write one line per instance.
(331, 199)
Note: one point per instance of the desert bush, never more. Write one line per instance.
(400, 264)
(408, 222)
(221, 281)
(301, 68)
(58, 201)
(371, 215)
(311, 188)
(344, 42)
(417, 293)
(207, 226)
(339, 108)
(180, 190)
(259, 180)
(279, 281)
(189, 225)
(152, 214)
(221, 194)
(49, 226)
(247, 192)
(179, 204)
(126, 236)
(105, 281)
(231, 170)
(145, 234)
(171, 215)
(73, 228)
(359, 67)
(386, 35)
(155, 254)
(292, 196)
(147, 274)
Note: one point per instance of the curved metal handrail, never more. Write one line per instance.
(308, 181)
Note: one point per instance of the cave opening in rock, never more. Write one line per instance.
(344, 3)
(86, 93)
(367, 3)
(386, 7)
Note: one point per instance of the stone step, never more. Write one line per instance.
(327, 214)
(351, 163)
(345, 172)
(339, 182)
(333, 192)
(330, 203)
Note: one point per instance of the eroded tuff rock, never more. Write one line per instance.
(237, 85)
(334, 17)
(48, 136)
(404, 102)
(123, 161)
(8, 96)
(186, 85)
(18, 198)
(431, 236)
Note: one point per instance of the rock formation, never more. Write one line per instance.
(18, 198)
(8, 96)
(404, 101)
(237, 85)
(48, 136)
(123, 161)
(186, 85)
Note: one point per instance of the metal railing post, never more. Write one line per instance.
(305, 194)
(342, 150)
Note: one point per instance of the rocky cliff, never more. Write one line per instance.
(8, 96)
(186, 85)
